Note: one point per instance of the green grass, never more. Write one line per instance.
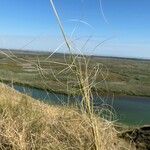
(119, 76)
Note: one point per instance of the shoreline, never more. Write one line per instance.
(117, 103)
(116, 94)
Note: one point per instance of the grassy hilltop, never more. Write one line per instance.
(26, 124)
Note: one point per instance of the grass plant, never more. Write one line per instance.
(28, 124)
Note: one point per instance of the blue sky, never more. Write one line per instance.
(126, 25)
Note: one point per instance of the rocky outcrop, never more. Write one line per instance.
(139, 136)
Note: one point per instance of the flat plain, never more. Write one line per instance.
(121, 76)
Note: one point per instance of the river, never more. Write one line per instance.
(129, 110)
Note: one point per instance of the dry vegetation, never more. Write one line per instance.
(26, 124)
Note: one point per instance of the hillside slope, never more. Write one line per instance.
(26, 124)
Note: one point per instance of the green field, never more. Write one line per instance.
(120, 76)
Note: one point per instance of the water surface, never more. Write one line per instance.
(127, 109)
